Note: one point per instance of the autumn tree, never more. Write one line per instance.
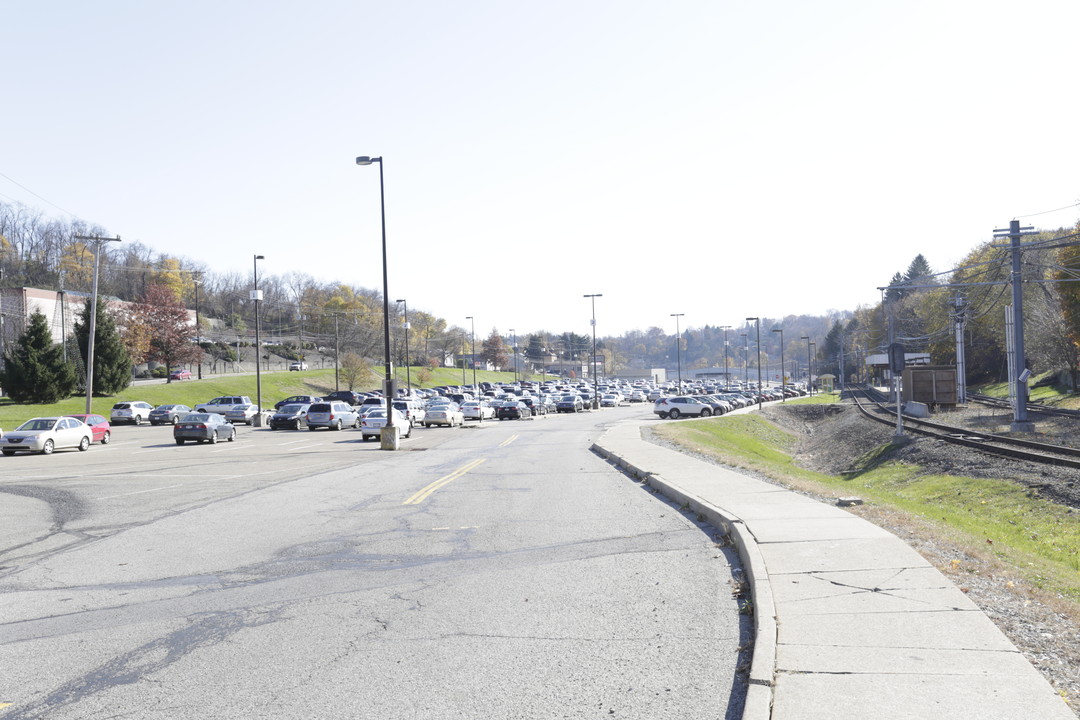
(494, 350)
(354, 370)
(112, 364)
(169, 327)
(35, 371)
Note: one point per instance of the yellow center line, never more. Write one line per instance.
(508, 440)
(423, 493)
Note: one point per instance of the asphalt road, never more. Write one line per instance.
(494, 572)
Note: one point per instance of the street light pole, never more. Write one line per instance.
(595, 380)
(198, 331)
(727, 375)
(514, 349)
(809, 373)
(757, 320)
(408, 369)
(476, 389)
(678, 347)
(814, 346)
(256, 295)
(389, 433)
(93, 316)
(783, 380)
(746, 358)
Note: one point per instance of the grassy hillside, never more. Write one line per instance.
(275, 386)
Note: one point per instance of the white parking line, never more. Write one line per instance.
(166, 487)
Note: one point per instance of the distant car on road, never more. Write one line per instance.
(203, 427)
(180, 375)
(298, 365)
(45, 434)
(100, 427)
(130, 411)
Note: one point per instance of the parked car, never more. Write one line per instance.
(45, 434)
(223, 404)
(536, 405)
(346, 396)
(168, 414)
(99, 426)
(448, 414)
(332, 415)
(569, 403)
(413, 410)
(477, 410)
(298, 365)
(130, 411)
(372, 424)
(180, 375)
(609, 400)
(293, 415)
(293, 399)
(244, 414)
(511, 410)
(203, 427)
(675, 407)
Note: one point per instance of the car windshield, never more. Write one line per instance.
(290, 409)
(37, 424)
(196, 417)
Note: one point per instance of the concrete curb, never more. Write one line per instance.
(759, 693)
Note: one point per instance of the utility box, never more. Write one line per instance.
(930, 384)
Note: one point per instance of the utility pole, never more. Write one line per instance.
(1020, 417)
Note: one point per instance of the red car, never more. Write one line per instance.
(99, 425)
(180, 375)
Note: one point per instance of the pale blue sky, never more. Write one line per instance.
(717, 159)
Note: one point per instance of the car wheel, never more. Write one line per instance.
(674, 414)
(84, 444)
(47, 448)
(106, 438)
(213, 438)
(137, 419)
(356, 423)
(174, 420)
(310, 427)
(706, 412)
(296, 425)
(179, 441)
(233, 436)
(427, 425)
(337, 425)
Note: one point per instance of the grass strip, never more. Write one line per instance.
(1039, 540)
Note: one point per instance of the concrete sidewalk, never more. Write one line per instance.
(850, 621)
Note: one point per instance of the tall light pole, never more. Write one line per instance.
(813, 345)
(783, 381)
(476, 388)
(678, 347)
(757, 320)
(256, 296)
(408, 370)
(746, 358)
(198, 331)
(809, 366)
(463, 359)
(595, 380)
(727, 375)
(389, 433)
(93, 317)
(514, 348)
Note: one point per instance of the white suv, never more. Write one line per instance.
(676, 407)
(135, 412)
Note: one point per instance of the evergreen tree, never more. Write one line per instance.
(112, 363)
(895, 292)
(35, 370)
(918, 271)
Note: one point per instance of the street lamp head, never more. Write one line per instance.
(365, 160)
(749, 319)
(260, 257)
(779, 330)
(399, 301)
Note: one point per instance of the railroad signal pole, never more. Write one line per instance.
(1020, 417)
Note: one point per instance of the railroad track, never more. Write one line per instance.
(1032, 407)
(999, 445)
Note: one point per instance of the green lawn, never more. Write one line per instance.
(275, 386)
(1040, 540)
(1039, 390)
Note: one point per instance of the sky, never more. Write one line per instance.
(713, 158)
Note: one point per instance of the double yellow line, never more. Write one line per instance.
(424, 492)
